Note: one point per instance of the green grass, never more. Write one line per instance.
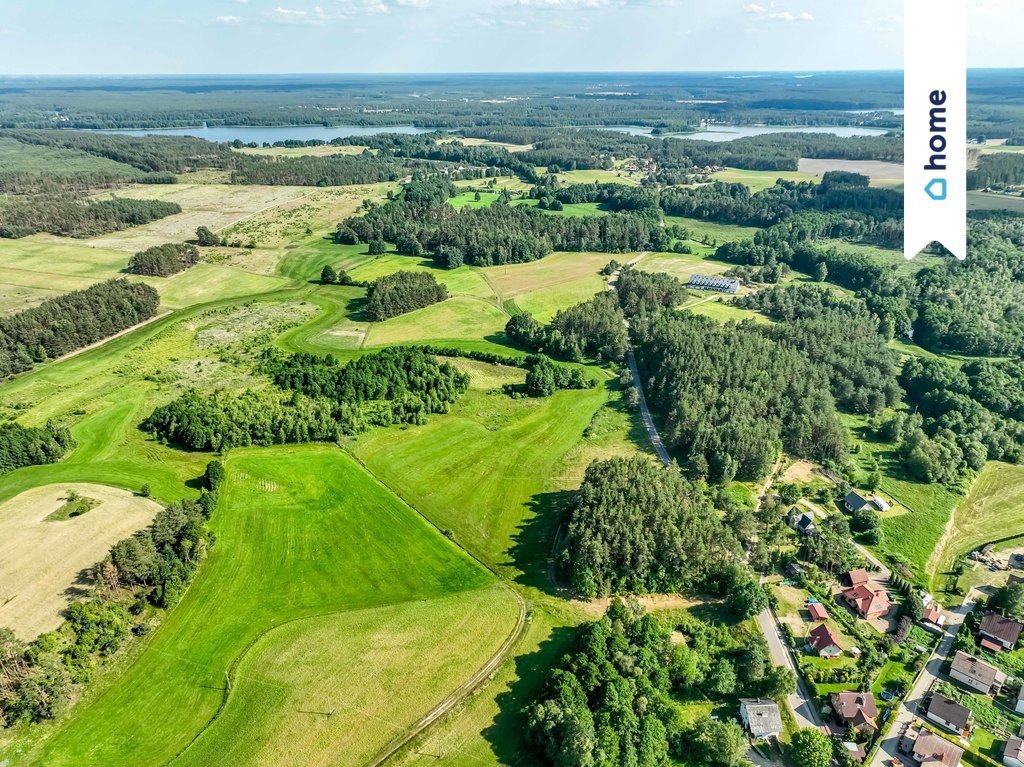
(758, 180)
(993, 509)
(483, 471)
(301, 532)
(992, 201)
(700, 230)
(459, 317)
(204, 283)
(579, 209)
(681, 265)
(468, 200)
(556, 282)
(590, 177)
(723, 310)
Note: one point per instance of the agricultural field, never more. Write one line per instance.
(283, 508)
(75, 524)
(759, 180)
(709, 231)
(555, 282)
(681, 265)
(880, 173)
(995, 201)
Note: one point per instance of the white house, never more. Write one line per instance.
(761, 718)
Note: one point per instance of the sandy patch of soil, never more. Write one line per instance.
(43, 562)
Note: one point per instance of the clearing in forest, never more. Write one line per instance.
(43, 558)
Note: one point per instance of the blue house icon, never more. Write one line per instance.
(936, 189)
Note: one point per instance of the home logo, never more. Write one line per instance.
(935, 126)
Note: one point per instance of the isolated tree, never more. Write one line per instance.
(811, 748)
(206, 238)
(377, 247)
(328, 276)
(214, 475)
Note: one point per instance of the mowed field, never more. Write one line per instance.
(554, 282)
(303, 532)
(41, 559)
(992, 510)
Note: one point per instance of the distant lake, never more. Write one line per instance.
(270, 134)
(733, 132)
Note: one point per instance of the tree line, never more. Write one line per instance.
(593, 328)
(32, 445)
(69, 322)
(70, 215)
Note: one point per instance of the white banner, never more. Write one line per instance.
(935, 120)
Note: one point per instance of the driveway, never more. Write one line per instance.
(874, 561)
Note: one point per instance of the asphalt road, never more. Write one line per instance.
(802, 701)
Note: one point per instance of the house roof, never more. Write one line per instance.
(1014, 749)
(933, 750)
(817, 611)
(1002, 628)
(856, 501)
(977, 669)
(856, 577)
(949, 711)
(932, 615)
(805, 522)
(855, 708)
(823, 636)
(763, 716)
(991, 645)
(867, 601)
(855, 750)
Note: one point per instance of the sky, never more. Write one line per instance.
(346, 36)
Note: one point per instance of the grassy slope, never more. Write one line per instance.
(301, 531)
(993, 509)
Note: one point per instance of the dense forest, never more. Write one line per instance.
(327, 402)
(999, 170)
(402, 292)
(69, 215)
(610, 701)
(422, 221)
(593, 328)
(164, 260)
(633, 527)
(31, 446)
(69, 322)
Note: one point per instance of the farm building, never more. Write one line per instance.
(976, 674)
(817, 611)
(949, 714)
(855, 709)
(761, 718)
(868, 602)
(709, 282)
(1019, 705)
(824, 640)
(999, 632)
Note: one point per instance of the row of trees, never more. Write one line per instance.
(164, 260)
(70, 215)
(68, 322)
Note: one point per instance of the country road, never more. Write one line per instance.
(887, 748)
(802, 701)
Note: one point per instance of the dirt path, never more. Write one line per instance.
(459, 695)
(108, 339)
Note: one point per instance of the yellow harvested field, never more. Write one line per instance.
(41, 560)
(873, 169)
(212, 205)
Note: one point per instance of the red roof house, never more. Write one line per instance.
(817, 611)
(825, 641)
(867, 602)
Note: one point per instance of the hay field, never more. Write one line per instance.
(41, 559)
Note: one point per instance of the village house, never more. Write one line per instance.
(761, 718)
(856, 751)
(1013, 753)
(868, 602)
(855, 709)
(949, 714)
(934, 617)
(928, 749)
(825, 641)
(855, 502)
(817, 611)
(1019, 705)
(803, 524)
(976, 674)
(998, 632)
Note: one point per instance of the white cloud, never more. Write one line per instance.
(789, 17)
(412, 3)
(754, 8)
(227, 19)
(560, 4)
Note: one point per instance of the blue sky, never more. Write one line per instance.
(286, 36)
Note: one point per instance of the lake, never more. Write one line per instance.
(733, 132)
(270, 134)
